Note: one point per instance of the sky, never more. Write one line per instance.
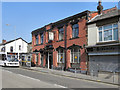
(24, 17)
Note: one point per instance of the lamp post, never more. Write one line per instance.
(15, 39)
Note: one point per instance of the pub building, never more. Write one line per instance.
(104, 42)
(61, 45)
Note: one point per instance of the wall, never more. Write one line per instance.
(92, 34)
(16, 44)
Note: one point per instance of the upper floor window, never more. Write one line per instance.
(108, 32)
(75, 30)
(61, 56)
(61, 33)
(75, 55)
(50, 36)
(3, 49)
(11, 49)
(19, 47)
(41, 38)
(36, 39)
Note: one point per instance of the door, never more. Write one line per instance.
(49, 60)
(42, 58)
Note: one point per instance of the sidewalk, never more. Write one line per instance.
(103, 78)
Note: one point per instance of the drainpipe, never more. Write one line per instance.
(87, 57)
(65, 43)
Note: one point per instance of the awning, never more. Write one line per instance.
(74, 46)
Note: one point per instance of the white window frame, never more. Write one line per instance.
(60, 33)
(74, 33)
(58, 61)
(74, 56)
(36, 42)
(106, 30)
(36, 58)
(41, 39)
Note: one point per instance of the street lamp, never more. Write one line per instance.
(15, 39)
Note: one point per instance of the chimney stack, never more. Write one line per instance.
(3, 41)
(99, 7)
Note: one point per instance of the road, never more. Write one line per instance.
(22, 78)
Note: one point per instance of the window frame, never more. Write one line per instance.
(11, 48)
(61, 32)
(36, 58)
(20, 47)
(36, 40)
(106, 30)
(75, 30)
(72, 59)
(42, 39)
(61, 54)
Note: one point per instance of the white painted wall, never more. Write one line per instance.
(92, 34)
(15, 45)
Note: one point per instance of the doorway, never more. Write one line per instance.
(49, 60)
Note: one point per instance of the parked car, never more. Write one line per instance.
(12, 62)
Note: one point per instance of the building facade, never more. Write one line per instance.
(62, 44)
(104, 42)
(13, 49)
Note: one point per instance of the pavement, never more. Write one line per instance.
(108, 78)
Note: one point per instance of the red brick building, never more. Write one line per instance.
(62, 44)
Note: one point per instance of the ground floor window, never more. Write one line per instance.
(75, 55)
(41, 58)
(61, 56)
(36, 58)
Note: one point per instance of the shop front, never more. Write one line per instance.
(104, 58)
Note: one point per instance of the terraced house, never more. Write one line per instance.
(61, 45)
(104, 42)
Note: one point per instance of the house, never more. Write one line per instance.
(104, 42)
(13, 49)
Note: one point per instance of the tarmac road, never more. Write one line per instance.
(22, 78)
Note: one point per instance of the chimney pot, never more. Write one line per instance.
(3, 41)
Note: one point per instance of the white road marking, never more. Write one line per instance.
(28, 77)
(22, 75)
(7, 71)
(60, 86)
(34, 79)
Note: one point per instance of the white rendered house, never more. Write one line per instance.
(13, 49)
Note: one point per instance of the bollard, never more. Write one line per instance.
(113, 77)
(75, 72)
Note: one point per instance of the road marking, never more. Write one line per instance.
(68, 77)
(28, 77)
(60, 86)
(7, 71)
(22, 75)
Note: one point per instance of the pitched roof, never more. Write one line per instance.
(12, 41)
(110, 14)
